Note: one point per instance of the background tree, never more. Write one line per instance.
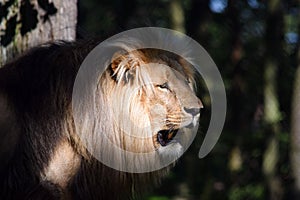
(274, 53)
(26, 23)
(295, 125)
(295, 137)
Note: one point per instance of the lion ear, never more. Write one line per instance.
(123, 65)
(116, 61)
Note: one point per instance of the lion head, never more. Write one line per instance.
(148, 106)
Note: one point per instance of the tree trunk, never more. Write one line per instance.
(295, 133)
(198, 19)
(295, 127)
(177, 16)
(27, 23)
(238, 92)
(274, 35)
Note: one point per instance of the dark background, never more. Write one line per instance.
(254, 44)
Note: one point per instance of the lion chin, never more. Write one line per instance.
(140, 118)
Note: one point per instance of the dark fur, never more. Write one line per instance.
(37, 91)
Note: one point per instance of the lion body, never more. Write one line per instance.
(42, 152)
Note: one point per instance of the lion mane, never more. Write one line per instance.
(49, 152)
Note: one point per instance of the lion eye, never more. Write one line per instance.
(164, 86)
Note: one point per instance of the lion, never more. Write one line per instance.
(144, 103)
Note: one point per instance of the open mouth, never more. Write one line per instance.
(164, 137)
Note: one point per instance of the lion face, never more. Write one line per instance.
(170, 103)
(153, 105)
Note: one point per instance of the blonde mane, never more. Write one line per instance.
(113, 136)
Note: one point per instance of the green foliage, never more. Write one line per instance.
(249, 192)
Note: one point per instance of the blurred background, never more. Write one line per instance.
(255, 44)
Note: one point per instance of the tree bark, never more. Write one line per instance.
(27, 23)
(238, 91)
(295, 133)
(274, 36)
(295, 126)
(177, 16)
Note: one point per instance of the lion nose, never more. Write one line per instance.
(200, 103)
(192, 111)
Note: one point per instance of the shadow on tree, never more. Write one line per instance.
(28, 18)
